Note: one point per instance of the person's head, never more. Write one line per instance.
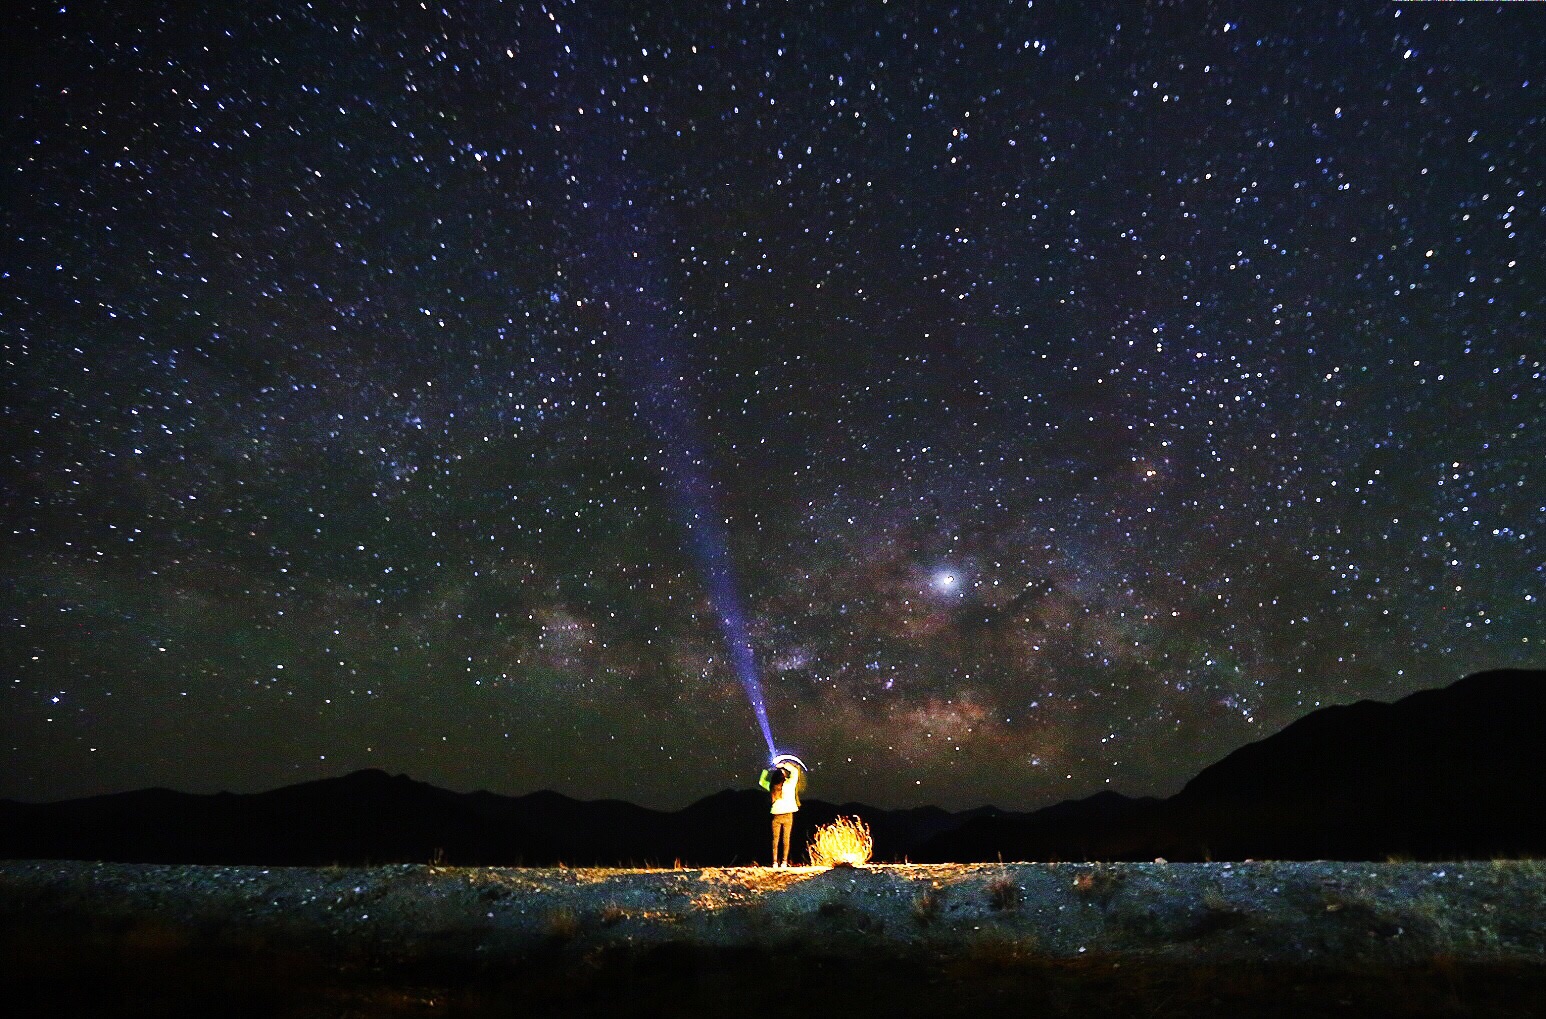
(790, 764)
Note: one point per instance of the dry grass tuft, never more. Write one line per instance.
(1099, 885)
(927, 905)
(845, 840)
(1003, 893)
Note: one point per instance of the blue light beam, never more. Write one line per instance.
(621, 264)
(666, 407)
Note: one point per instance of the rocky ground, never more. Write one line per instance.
(1440, 939)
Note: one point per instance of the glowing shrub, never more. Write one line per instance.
(844, 841)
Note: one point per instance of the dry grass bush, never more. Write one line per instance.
(562, 924)
(1214, 901)
(927, 906)
(1098, 885)
(1362, 914)
(1003, 893)
(1218, 914)
(845, 841)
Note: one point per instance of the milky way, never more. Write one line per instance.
(1086, 393)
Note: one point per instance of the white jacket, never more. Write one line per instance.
(785, 802)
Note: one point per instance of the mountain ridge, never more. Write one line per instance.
(1422, 776)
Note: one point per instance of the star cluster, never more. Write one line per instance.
(1085, 393)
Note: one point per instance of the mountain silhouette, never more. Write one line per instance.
(373, 817)
(1440, 774)
(1449, 773)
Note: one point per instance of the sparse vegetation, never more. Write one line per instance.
(1098, 885)
(1004, 893)
(1528, 867)
(1218, 914)
(845, 841)
(927, 905)
(1217, 940)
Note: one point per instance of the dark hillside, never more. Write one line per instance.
(1450, 773)
(1440, 774)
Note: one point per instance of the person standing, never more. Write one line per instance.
(783, 782)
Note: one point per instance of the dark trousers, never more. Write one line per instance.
(783, 825)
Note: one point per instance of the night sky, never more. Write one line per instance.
(1073, 395)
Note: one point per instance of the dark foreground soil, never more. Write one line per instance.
(1151, 940)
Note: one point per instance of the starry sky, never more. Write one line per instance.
(1067, 395)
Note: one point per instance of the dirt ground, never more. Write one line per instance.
(1320, 938)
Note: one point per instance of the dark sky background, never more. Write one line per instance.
(1084, 393)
